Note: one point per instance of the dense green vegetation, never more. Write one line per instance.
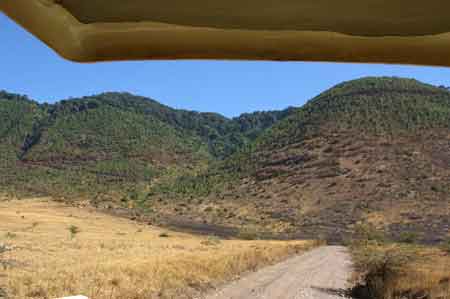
(115, 141)
(382, 106)
(222, 135)
(17, 114)
(388, 107)
(385, 107)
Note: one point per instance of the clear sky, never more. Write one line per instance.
(230, 88)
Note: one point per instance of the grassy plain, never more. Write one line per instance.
(52, 250)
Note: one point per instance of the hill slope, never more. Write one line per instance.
(374, 151)
(112, 142)
(18, 114)
(90, 145)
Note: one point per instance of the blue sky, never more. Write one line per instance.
(230, 88)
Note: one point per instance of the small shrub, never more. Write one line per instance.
(248, 234)
(74, 230)
(365, 233)
(34, 225)
(4, 248)
(164, 235)
(4, 264)
(435, 189)
(446, 246)
(10, 235)
(37, 292)
(211, 241)
(208, 209)
(381, 267)
(408, 237)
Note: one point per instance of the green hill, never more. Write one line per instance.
(112, 141)
(89, 145)
(384, 107)
(17, 114)
(370, 151)
(373, 151)
(381, 106)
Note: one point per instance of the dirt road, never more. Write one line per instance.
(318, 274)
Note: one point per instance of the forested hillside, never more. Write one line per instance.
(17, 114)
(112, 141)
(373, 152)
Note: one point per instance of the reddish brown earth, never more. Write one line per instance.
(326, 186)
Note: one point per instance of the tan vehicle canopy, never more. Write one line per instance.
(394, 31)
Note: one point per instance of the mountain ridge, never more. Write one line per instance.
(330, 166)
(371, 151)
(115, 134)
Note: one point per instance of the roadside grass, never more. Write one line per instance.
(79, 251)
(387, 270)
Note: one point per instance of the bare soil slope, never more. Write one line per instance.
(374, 151)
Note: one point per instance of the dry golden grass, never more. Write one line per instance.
(429, 272)
(404, 271)
(116, 258)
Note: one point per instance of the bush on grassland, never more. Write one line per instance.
(390, 271)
